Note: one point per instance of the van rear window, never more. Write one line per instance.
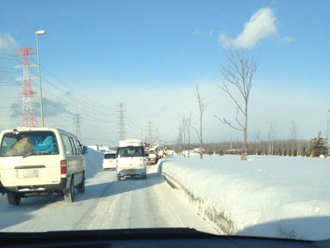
(123, 152)
(28, 143)
(110, 156)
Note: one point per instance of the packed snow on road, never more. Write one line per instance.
(106, 204)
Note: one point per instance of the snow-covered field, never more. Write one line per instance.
(286, 197)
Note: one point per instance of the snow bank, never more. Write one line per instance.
(264, 196)
(94, 160)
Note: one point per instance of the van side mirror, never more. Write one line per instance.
(84, 150)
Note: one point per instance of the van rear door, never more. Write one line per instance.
(130, 157)
(29, 158)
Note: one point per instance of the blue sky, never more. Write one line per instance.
(151, 54)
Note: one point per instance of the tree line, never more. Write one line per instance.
(309, 148)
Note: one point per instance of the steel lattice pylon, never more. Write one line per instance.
(29, 116)
(121, 129)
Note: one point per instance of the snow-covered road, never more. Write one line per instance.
(106, 204)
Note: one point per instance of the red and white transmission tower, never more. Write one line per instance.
(29, 116)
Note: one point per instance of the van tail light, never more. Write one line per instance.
(117, 163)
(144, 162)
(63, 167)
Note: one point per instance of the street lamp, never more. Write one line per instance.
(40, 32)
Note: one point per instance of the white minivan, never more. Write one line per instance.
(131, 161)
(38, 161)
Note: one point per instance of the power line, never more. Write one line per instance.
(86, 105)
(75, 90)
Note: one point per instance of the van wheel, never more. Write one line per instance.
(81, 187)
(69, 193)
(13, 198)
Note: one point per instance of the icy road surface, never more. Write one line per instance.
(106, 204)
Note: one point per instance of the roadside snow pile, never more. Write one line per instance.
(94, 160)
(286, 197)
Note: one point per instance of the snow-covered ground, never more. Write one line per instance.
(264, 196)
(287, 197)
(106, 204)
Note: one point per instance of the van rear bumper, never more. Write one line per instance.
(26, 189)
(131, 172)
(109, 165)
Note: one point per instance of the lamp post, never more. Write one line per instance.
(40, 32)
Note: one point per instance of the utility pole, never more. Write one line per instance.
(77, 121)
(121, 128)
(40, 32)
(156, 135)
(29, 116)
(150, 132)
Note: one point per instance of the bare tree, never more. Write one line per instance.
(183, 127)
(239, 73)
(294, 133)
(188, 129)
(327, 129)
(179, 140)
(271, 137)
(202, 106)
(257, 139)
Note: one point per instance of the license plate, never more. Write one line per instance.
(110, 161)
(31, 173)
(131, 172)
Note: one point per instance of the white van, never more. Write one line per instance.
(41, 161)
(109, 160)
(131, 161)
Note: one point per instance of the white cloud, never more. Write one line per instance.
(196, 32)
(7, 43)
(260, 26)
(285, 40)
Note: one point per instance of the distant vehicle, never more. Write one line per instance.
(103, 150)
(41, 161)
(170, 153)
(131, 159)
(152, 157)
(109, 160)
(160, 153)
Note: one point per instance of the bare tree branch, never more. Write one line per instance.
(225, 89)
(228, 123)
